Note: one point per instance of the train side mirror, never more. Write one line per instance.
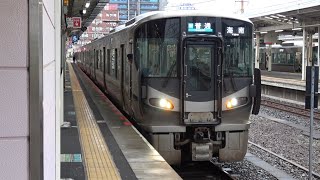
(255, 91)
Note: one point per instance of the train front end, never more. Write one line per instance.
(197, 88)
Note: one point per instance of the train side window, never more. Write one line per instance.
(291, 58)
(279, 58)
(101, 60)
(114, 64)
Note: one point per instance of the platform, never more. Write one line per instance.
(286, 87)
(283, 80)
(101, 143)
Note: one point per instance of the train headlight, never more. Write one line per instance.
(234, 102)
(162, 103)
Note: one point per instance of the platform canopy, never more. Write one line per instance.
(286, 16)
(75, 8)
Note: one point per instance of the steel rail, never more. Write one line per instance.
(291, 109)
(285, 159)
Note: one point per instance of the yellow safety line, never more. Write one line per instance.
(97, 158)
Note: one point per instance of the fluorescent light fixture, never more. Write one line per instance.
(263, 32)
(84, 11)
(289, 22)
(274, 16)
(268, 17)
(280, 30)
(87, 4)
(286, 19)
(296, 29)
(279, 20)
(280, 15)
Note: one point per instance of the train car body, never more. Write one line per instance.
(283, 58)
(186, 78)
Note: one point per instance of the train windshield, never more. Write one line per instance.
(199, 58)
(238, 54)
(156, 47)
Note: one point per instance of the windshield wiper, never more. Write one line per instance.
(169, 74)
(234, 86)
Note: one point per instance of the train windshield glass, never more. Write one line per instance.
(156, 45)
(238, 55)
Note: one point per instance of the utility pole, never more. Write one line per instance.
(242, 5)
(128, 10)
(138, 7)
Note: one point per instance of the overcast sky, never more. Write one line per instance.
(250, 6)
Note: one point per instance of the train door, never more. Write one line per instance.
(202, 89)
(127, 83)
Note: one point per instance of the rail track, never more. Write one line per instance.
(316, 175)
(291, 109)
(202, 170)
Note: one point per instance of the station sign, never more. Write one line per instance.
(75, 38)
(73, 22)
(76, 22)
(186, 6)
(111, 7)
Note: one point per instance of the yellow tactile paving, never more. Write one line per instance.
(97, 158)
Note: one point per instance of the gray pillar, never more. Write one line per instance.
(309, 49)
(59, 83)
(257, 56)
(269, 54)
(303, 74)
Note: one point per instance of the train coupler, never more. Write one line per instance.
(202, 151)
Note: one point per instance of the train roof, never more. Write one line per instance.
(169, 14)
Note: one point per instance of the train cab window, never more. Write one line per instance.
(156, 45)
(238, 55)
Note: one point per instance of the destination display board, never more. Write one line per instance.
(200, 27)
(235, 31)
